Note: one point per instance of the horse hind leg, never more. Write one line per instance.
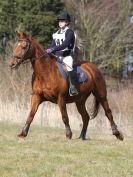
(85, 118)
(108, 113)
(100, 93)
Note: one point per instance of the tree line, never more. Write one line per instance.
(102, 27)
(105, 32)
(37, 17)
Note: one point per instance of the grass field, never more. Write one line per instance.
(47, 153)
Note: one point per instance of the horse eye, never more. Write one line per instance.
(24, 46)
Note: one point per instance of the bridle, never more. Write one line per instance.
(28, 48)
(23, 59)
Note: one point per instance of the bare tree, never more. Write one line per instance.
(104, 29)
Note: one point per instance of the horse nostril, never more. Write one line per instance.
(10, 62)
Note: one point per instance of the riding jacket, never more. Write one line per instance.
(63, 42)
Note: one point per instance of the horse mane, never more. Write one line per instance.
(39, 47)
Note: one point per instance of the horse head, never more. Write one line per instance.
(23, 50)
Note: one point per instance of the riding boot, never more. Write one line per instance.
(72, 89)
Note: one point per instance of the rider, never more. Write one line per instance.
(62, 46)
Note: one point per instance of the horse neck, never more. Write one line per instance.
(38, 50)
(42, 63)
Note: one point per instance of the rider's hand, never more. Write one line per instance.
(50, 50)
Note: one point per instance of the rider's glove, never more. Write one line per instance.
(50, 50)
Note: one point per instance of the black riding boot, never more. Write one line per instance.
(72, 89)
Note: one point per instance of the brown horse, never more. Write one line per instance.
(49, 85)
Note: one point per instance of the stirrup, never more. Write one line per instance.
(75, 92)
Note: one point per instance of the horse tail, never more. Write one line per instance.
(95, 108)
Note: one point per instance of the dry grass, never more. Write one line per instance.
(15, 93)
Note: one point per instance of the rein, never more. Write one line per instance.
(29, 47)
(32, 59)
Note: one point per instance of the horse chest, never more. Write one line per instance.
(50, 94)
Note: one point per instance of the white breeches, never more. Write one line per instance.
(68, 61)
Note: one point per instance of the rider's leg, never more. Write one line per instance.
(69, 66)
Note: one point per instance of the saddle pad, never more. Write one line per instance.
(80, 75)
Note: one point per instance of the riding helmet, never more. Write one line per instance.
(64, 16)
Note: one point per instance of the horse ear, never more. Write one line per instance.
(24, 35)
(17, 34)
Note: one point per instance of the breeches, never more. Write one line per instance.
(68, 61)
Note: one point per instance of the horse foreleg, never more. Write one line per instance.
(109, 115)
(62, 106)
(35, 102)
(85, 118)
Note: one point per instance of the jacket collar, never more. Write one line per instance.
(63, 30)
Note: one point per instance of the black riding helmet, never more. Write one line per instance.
(64, 16)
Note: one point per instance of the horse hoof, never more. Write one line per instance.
(21, 135)
(119, 136)
(68, 133)
(69, 136)
(82, 138)
(82, 135)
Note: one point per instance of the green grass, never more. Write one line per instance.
(47, 153)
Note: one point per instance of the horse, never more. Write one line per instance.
(49, 85)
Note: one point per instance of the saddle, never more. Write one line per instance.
(79, 75)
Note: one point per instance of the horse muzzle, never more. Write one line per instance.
(14, 63)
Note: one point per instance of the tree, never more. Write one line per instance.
(105, 29)
(37, 17)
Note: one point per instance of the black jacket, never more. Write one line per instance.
(67, 43)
